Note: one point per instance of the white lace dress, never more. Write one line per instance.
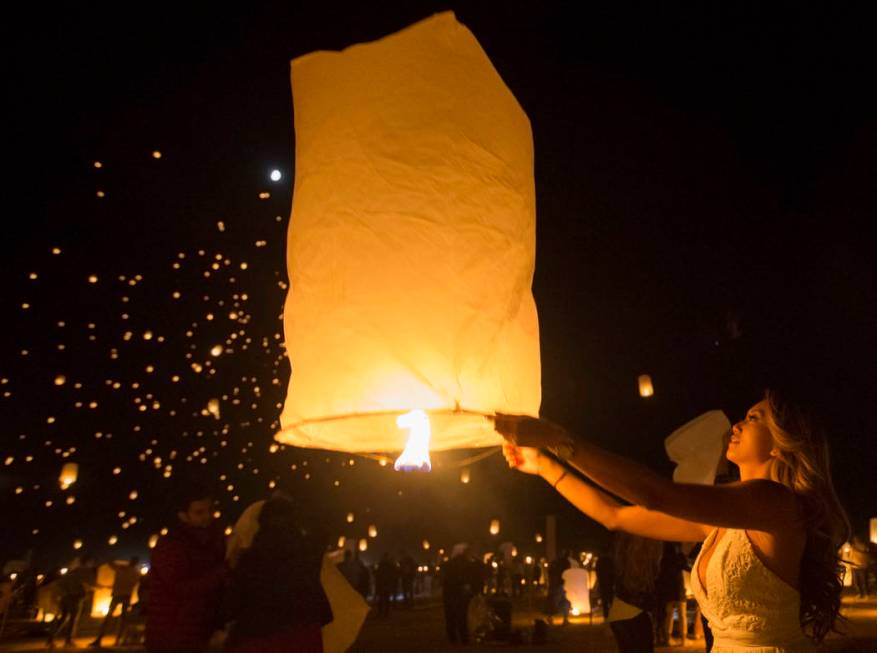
(749, 608)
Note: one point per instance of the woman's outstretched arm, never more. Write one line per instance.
(757, 504)
(600, 506)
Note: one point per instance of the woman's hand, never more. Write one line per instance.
(525, 459)
(524, 431)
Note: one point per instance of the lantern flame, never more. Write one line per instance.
(415, 456)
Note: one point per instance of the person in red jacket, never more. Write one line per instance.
(187, 575)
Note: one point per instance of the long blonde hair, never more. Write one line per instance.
(802, 464)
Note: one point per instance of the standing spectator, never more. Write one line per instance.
(275, 597)
(861, 561)
(188, 570)
(461, 579)
(605, 568)
(557, 601)
(124, 583)
(72, 588)
(386, 579)
(407, 572)
(670, 590)
(516, 570)
(637, 561)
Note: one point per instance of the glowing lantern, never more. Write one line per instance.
(60, 379)
(276, 175)
(464, 475)
(349, 517)
(372, 531)
(69, 474)
(412, 245)
(873, 524)
(341, 542)
(576, 584)
(77, 544)
(538, 538)
(153, 540)
(426, 545)
(494, 527)
(363, 544)
(645, 386)
(213, 407)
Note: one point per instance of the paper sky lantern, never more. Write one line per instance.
(697, 448)
(873, 524)
(411, 248)
(494, 526)
(576, 584)
(68, 476)
(646, 389)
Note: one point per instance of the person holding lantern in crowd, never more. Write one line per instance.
(125, 580)
(73, 587)
(769, 574)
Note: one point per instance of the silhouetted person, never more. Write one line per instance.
(557, 601)
(187, 573)
(461, 579)
(605, 569)
(386, 579)
(124, 583)
(637, 560)
(407, 573)
(72, 590)
(670, 591)
(275, 598)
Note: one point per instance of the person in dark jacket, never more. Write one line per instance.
(461, 580)
(187, 574)
(275, 598)
(73, 587)
(386, 581)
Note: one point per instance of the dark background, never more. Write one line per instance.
(705, 198)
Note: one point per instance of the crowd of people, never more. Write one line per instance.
(265, 588)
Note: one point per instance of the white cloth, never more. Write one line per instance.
(749, 608)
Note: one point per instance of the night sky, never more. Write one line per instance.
(705, 194)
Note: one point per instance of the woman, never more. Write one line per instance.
(768, 575)
(275, 598)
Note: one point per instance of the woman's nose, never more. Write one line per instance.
(736, 428)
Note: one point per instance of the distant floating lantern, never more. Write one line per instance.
(153, 540)
(60, 379)
(426, 545)
(213, 407)
(363, 544)
(69, 475)
(77, 544)
(341, 542)
(112, 541)
(538, 538)
(372, 531)
(412, 245)
(645, 386)
(216, 350)
(276, 175)
(349, 517)
(494, 526)
(464, 475)
(156, 154)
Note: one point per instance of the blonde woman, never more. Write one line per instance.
(768, 576)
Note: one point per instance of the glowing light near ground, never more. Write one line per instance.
(415, 456)
(464, 475)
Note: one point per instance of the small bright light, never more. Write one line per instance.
(156, 154)
(216, 350)
(494, 526)
(92, 278)
(276, 175)
(77, 544)
(426, 545)
(372, 531)
(60, 379)
(363, 544)
(349, 517)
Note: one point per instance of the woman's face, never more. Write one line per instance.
(751, 441)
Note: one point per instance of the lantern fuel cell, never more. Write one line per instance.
(411, 248)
